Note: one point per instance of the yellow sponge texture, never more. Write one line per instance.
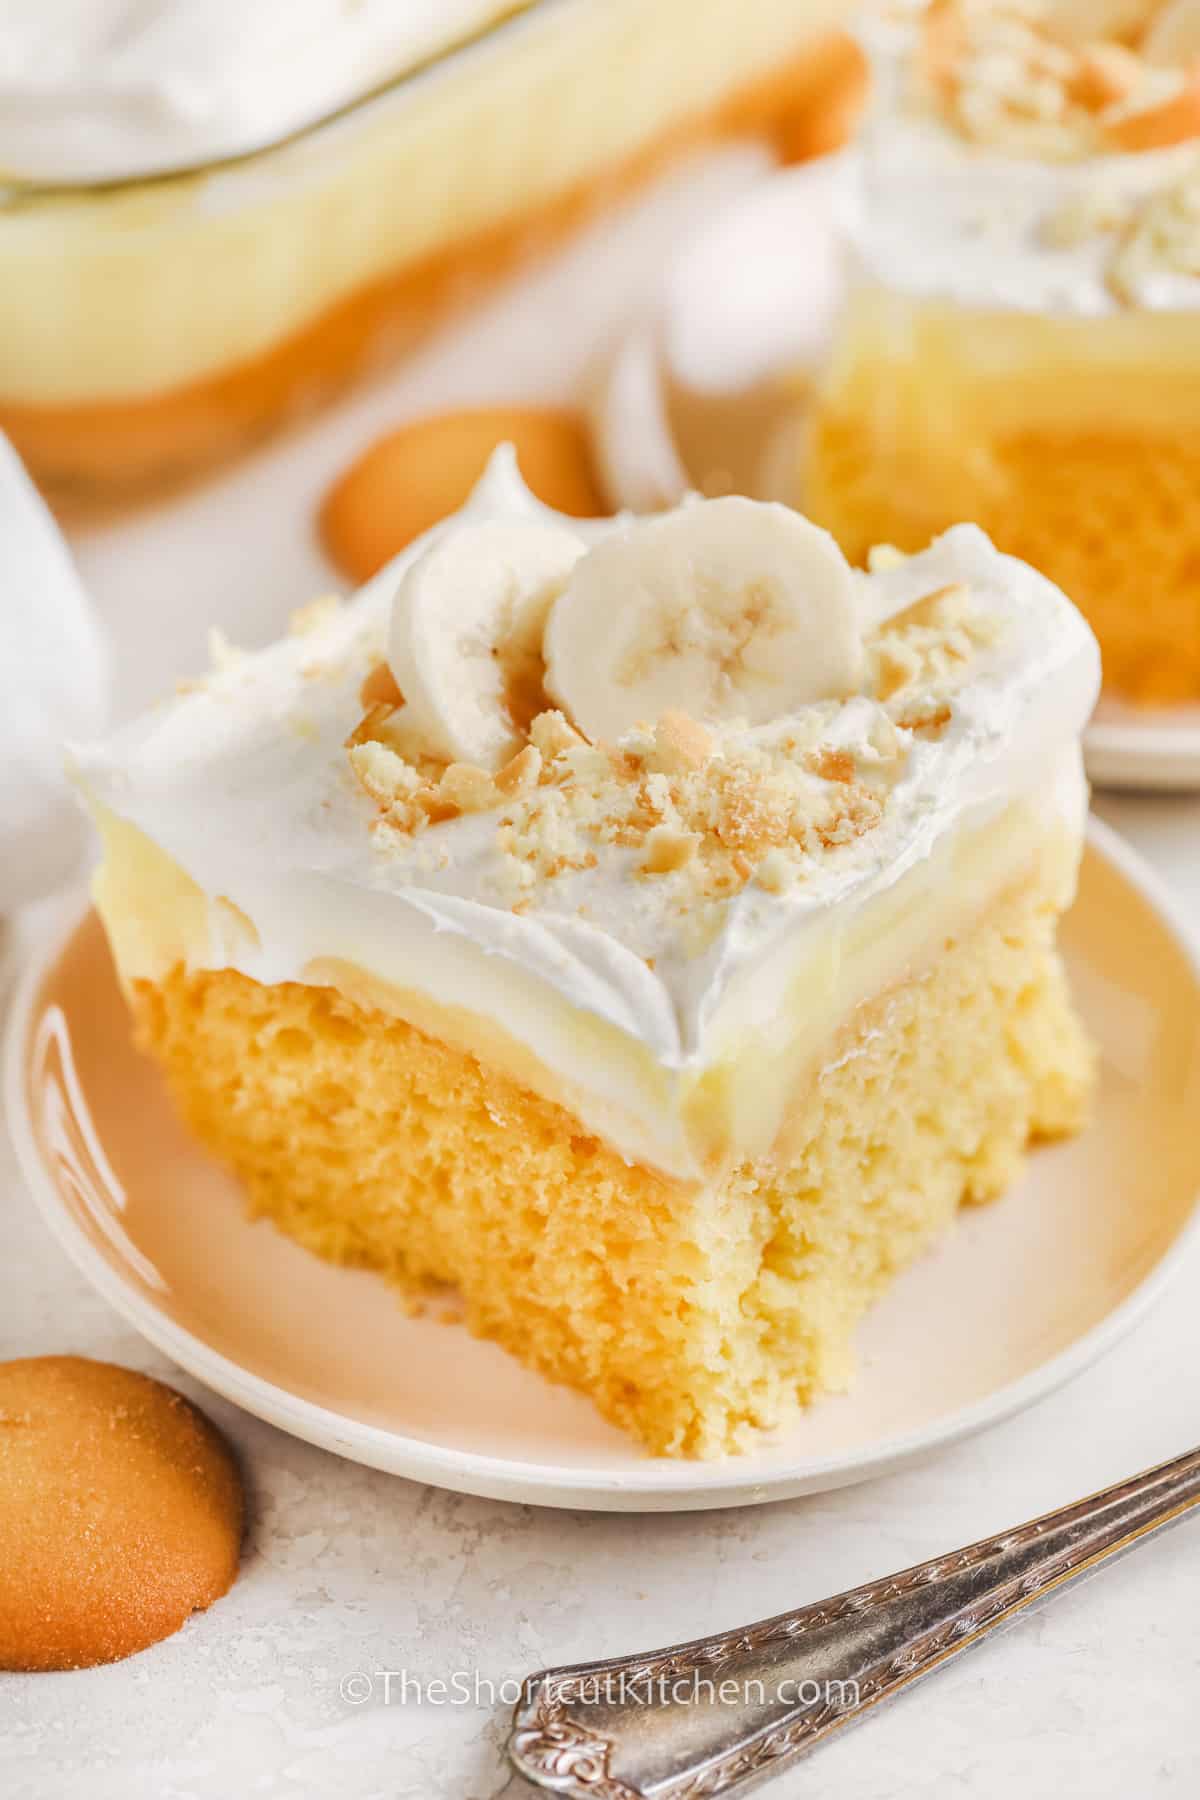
(694, 1315)
(1112, 516)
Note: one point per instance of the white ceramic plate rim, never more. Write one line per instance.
(684, 1486)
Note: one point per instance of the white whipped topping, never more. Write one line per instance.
(98, 90)
(245, 784)
(942, 218)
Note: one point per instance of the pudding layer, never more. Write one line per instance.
(149, 327)
(686, 1115)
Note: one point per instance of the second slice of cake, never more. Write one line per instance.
(1020, 343)
(649, 931)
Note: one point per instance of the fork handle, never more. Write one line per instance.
(719, 1714)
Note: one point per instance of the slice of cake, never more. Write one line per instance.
(1021, 344)
(648, 929)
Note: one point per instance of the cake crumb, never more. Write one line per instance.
(1162, 236)
(928, 646)
(896, 667)
(933, 722)
(668, 849)
(380, 688)
(1004, 74)
(467, 788)
(681, 743)
(551, 734)
(775, 872)
(368, 727)
(520, 773)
(382, 774)
(834, 765)
(939, 610)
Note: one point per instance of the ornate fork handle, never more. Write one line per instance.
(701, 1719)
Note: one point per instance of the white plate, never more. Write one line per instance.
(1144, 747)
(1020, 1297)
(708, 393)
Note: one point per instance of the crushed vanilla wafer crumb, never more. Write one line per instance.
(1017, 76)
(468, 788)
(703, 812)
(1161, 238)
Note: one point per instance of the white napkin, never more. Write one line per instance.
(54, 682)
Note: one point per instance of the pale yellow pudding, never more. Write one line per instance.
(667, 1033)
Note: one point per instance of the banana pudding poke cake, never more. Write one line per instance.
(1021, 345)
(647, 928)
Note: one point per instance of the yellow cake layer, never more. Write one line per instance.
(692, 1314)
(1074, 443)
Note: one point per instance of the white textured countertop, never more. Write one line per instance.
(349, 1573)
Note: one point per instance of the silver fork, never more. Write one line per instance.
(722, 1713)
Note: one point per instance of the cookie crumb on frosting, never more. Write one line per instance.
(706, 812)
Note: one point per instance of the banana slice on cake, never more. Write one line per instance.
(727, 610)
(465, 643)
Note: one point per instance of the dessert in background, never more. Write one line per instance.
(824, 117)
(427, 468)
(1021, 344)
(646, 927)
(121, 1513)
(54, 681)
(216, 214)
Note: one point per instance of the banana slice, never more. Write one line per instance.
(725, 609)
(466, 635)
(1174, 37)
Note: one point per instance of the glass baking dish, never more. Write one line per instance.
(151, 328)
